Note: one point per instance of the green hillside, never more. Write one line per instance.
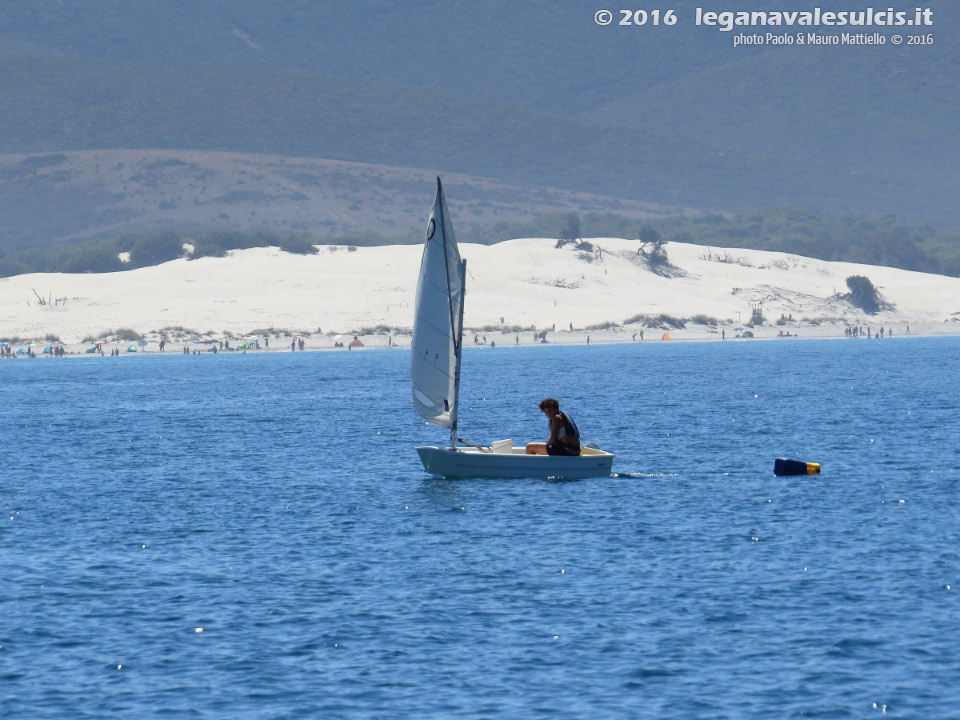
(70, 104)
(533, 94)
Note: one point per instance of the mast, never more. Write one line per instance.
(462, 269)
(456, 322)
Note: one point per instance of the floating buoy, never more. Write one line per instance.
(784, 466)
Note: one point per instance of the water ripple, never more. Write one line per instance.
(254, 537)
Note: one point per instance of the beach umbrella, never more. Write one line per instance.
(98, 343)
(132, 348)
(142, 343)
(92, 349)
(47, 350)
(3, 344)
(22, 351)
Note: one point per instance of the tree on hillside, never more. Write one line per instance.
(570, 232)
(154, 249)
(651, 246)
(650, 240)
(650, 236)
(863, 294)
(299, 245)
(206, 248)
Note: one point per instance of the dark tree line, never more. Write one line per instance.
(146, 250)
(851, 238)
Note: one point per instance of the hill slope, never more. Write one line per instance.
(530, 94)
(106, 193)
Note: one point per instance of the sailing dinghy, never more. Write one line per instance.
(436, 352)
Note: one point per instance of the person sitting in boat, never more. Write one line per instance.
(564, 433)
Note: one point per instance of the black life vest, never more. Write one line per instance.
(569, 428)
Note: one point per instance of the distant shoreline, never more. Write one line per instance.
(379, 342)
(525, 283)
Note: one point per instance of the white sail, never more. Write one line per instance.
(438, 322)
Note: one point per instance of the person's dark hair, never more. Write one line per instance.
(549, 403)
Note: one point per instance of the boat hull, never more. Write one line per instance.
(472, 462)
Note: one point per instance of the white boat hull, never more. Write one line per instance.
(515, 463)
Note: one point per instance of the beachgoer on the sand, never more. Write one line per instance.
(564, 433)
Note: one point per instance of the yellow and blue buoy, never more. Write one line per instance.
(785, 466)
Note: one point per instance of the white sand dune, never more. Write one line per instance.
(521, 283)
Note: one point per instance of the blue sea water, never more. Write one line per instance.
(252, 536)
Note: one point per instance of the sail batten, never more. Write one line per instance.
(438, 319)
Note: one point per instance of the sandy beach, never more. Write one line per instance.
(515, 290)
